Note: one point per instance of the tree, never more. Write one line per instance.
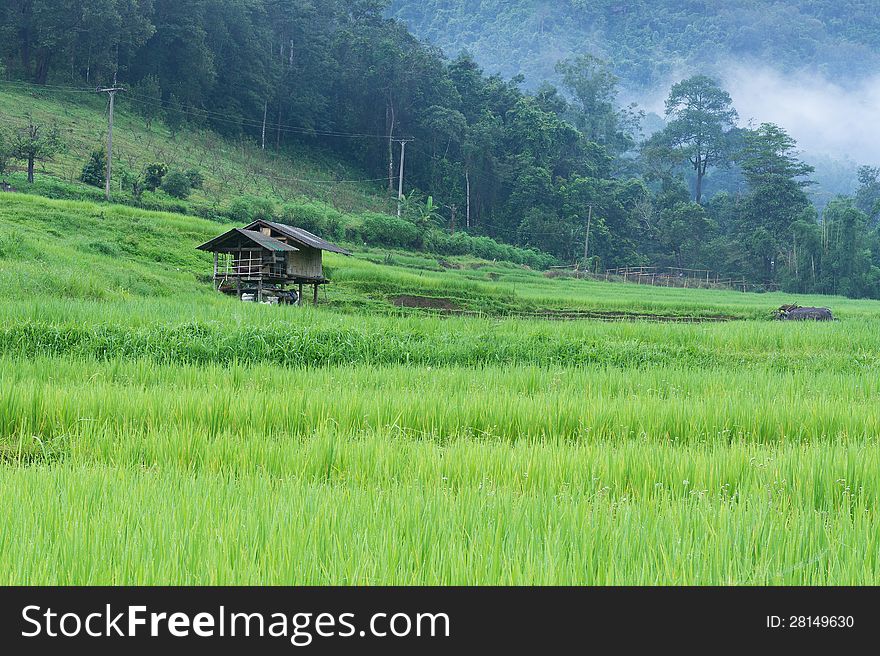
(153, 175)
(146, 97)
(867, 197)
(176, 184)
(35, 143)
(132, 181)
(770, 152)
(95, 170)
(175, 116)
(700, 115)
(776, 197)
(682, 229)
(847, 268)
(594, 87)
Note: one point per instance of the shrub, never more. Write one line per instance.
(161, 203)
(132, 182)
(351, 232)
(207, 211)
(385, 230)
(95, 170)
(246, 209)
(484, 248)
(309, 216)
(318, 218)
(55, 188)
(177, 185)
(153, 175)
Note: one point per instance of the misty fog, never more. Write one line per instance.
(825, 118)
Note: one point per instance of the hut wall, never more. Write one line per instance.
(248, 261)
(305, 263)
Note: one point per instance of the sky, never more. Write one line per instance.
(823, 117)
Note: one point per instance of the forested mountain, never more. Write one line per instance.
(647, 41)
(551, 166)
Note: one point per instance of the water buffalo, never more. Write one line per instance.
(798, 313)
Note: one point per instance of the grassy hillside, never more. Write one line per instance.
(231, 168)
(241, 181)
(57, 249)
(154, 431)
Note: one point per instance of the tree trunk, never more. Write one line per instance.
(31, 169)
(467, 177)
(699, 193)
(278, 128)
(42, 71)
(25, 36)
(389, 125)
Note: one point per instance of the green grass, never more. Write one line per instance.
(167, 473)
(231, 168)
(153, 431)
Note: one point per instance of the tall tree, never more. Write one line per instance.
(847, 266)
(594, 87)
(867, 196)
(700, 116)
(776, 197)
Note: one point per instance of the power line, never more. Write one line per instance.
(284, 179)
(223, 118)
(46, 87)
(219, 116)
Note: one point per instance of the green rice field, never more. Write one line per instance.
(155, 432)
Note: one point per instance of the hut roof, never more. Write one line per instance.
(303, 237)
(258, 238)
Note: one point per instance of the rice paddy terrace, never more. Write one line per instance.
(154, 431)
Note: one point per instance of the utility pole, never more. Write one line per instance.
(402, 143)
(265, 109)
(467, 179)
(587, 238)
(110, 91)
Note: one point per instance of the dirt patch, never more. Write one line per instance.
(446, 264)
(572, 315)
(425, 302)
(448, 307)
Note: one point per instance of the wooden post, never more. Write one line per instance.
(260, 289)
(216, 284)
(300, 293)
(315, 299)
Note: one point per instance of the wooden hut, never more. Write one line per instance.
(267, 258)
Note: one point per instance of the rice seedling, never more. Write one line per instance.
(152, 431)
